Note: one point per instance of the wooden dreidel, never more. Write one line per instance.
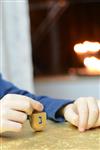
(38, 121)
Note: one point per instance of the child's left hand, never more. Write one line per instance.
(83, 113)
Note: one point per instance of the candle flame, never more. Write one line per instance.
(92, 63)
(87, 47)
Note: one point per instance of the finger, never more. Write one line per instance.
(16, 116)
(11, 126)
(70, 115)
(97, 124)
(19, 102)
(93, 112)
(82, 108)
(24, 103)
(36, 105)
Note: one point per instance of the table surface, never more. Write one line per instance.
(57, 136)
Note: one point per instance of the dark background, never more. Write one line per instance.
(53, 38)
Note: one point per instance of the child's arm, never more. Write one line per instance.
(83, 113)
(51, 105)
(71, 111)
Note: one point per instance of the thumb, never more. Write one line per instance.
(70, 115)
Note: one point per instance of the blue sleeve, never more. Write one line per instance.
(51, 105)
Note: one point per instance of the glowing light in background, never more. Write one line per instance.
(87, 52)
(87, 47)
(92, 63)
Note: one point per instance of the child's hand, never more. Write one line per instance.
(14, 110)
(83, 113)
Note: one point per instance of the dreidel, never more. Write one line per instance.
(38, 121)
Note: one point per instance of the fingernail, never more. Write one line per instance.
(81, 129)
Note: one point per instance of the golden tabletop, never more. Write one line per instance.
(56, 136)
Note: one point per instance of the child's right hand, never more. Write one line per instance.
(14, 110)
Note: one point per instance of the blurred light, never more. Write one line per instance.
(87, 47)
(92, 63)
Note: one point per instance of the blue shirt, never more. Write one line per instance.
(51, 105)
